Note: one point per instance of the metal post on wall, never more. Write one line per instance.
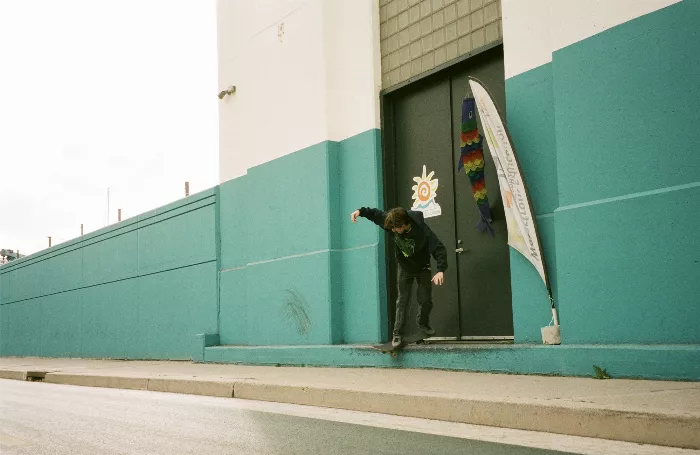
(119, 214)
(187, 189)
(49, 241)
(81, 228)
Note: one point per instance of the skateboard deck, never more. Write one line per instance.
(387, 348)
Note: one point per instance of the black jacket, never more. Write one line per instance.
(414, 248)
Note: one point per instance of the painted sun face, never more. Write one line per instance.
(424, 189)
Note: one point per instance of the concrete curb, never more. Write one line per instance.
(22, 375)
(192, 387)
(658, 429)
(112, 382)
(185, 386)
(16, 375)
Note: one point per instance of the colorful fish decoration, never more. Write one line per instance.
(472, 160)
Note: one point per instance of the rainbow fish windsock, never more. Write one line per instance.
(472, 160)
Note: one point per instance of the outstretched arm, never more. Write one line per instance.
(374, 215)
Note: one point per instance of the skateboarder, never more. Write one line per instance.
(415, 243)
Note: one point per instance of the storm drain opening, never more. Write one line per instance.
(35, 376)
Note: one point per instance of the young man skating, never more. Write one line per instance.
(415, 243)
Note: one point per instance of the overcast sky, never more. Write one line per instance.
(97, 94)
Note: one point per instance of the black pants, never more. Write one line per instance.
(424, 297)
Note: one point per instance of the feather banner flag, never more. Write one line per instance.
(523, 235)
(472, 161)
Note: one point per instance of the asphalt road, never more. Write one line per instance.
(38, 418)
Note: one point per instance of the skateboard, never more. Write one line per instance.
(387, 348)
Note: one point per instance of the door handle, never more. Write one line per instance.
(459, 250)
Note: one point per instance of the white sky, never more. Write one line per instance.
(97, 94)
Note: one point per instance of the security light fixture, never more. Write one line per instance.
(230, 91)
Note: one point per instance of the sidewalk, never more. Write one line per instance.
(651, 412)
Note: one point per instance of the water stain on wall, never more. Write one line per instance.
(296, 309)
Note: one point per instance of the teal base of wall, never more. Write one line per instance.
(138, 289)
(664, 362)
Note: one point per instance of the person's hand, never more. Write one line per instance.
(354, 215)
(438, 279)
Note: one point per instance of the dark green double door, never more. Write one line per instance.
(422, 125)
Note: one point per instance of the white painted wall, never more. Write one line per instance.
(353, 66)
(526, 30)
(315, 80)
(279, 104)
(533, 29)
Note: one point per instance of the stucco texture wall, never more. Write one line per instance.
(606, 136)
(140, 289)
(294, 271)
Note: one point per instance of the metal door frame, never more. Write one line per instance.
(389, 183)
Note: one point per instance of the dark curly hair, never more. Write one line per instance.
(396, 218)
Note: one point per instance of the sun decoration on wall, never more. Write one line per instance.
(424, 193)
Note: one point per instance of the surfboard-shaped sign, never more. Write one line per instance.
(522, 226)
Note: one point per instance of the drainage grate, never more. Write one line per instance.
(35, 376)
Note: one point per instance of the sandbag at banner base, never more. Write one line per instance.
(551, 334)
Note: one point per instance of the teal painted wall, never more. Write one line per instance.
(626, 276)
(275, 259)
(626, 104)
(358, 249)
(530, 121)
(142, 288)
(610, 128)
(293, 271)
